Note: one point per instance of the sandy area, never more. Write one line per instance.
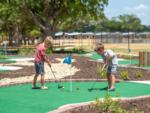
(60, 70)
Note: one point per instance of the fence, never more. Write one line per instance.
(144, 58)
(74, 41)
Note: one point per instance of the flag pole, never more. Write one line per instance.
(68, 60)
(70, 79)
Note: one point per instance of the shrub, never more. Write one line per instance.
(124, 75)
(139, 74)
(3, 57)
(26, 51)
(75, 50)
(49, 51)
(108, 105)
(78, 50)
(128, 57)
(101, 74)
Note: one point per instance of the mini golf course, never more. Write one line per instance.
(23, 99)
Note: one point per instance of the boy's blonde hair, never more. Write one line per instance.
(48, 41)
(99, 46)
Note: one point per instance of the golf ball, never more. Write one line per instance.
(62, 88)
(77, 88)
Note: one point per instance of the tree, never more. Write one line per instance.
(147, 28)
(52, 15)
(8, 19)
(130, 23)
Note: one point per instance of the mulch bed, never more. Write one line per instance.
(131, 105)
(136, 73)
(140, 105)
(25, 71)
(87, 68)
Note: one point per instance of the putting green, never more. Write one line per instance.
(3, 71)
(23, 99)
(96, 56)
(14, 56)
(8, 57)
(129, 62)
(147, 66)
(6, 61)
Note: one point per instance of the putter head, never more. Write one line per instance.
(90, 89)
(60, 87)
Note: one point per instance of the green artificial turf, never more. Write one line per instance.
(146, 66)
(128, 62)
(23, 99)
(14, 56)
(3, 71)
(8, 57)
(96, 56)
(6, 61)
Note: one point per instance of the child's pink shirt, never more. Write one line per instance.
(40, 53)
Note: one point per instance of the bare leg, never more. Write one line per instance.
(34, 80)
(109, 80)
(42, 80)
(43, 87)
(112, 81)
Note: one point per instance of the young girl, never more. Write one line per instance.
(39, 59)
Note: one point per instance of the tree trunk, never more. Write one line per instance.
(47, 32)
(10, 36)
(18, 36)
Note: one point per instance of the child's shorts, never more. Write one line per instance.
(39, 68)
(112, 70)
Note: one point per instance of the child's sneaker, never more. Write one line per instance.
(105, 88)
(44, 87)
(111, 89)
(35, 87)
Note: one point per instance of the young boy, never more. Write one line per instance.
(39, 59)
(111, 62)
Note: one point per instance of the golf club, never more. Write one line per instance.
(59, 86)
(92, 86)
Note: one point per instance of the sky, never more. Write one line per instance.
(140, 8)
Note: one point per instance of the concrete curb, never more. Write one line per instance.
(68, 107)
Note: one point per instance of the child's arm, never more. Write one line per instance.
(104, 65)
(47, 60)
